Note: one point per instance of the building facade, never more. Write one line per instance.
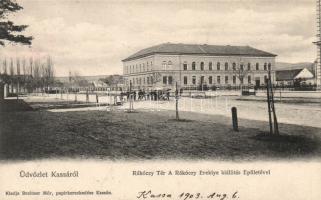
(191, 66)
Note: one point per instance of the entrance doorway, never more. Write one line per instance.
(257, 83)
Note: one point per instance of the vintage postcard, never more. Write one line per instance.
(167, 100)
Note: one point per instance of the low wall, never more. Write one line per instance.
(292, 94)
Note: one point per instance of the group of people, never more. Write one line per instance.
(143, 95)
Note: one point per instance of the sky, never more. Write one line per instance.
(91, 37)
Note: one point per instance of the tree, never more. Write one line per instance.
(240, 73)
(75, 80)
(113, 80)
(157, 77)
(48, 73)
(8, 30)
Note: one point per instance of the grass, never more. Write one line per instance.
(140, 135)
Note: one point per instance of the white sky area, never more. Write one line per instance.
(93, 36)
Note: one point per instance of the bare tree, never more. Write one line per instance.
(48, 73)
(75, 80)
(11, 69)
(5, 71)
(157, 77)
(240, 73)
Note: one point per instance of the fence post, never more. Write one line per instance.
(234, 119)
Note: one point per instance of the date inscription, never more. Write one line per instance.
(148, 194)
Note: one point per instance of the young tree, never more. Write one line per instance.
(8, 30)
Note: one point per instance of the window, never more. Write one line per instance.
(170, 80)
(193, 65)
(164, 64)
(265, 79)
(249, 79)
(202, 65)
(210, 80)
(210, 66)
(144, 80)
(185, 66)
(226, 66)
(185, 80)
(194, 80)
(218, 66)
(151, 80)
(249, 66)
(242, 80)
(234, 66)
(257, 66)
(164, 80)
(226, 79)
(169, 65)
(202, 80)
(234, 79)
(269, 66)
(265, 67)
(218, 79)
(140, 67)
(147, 80)
(242, 67)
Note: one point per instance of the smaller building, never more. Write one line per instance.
(296, 77)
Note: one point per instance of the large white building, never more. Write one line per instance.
(192, 65)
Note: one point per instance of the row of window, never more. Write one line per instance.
(266, 66)
(139, 67)
(140, 81)
(218, 80)
(167, 65)
(168, 80)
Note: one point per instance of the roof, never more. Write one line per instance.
(287, 75)
(204, 49)
(289, 66)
